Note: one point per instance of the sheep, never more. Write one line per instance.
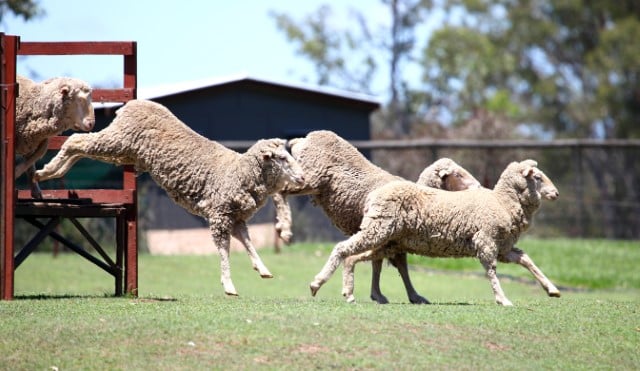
(483, 223)
(339, 178)
(44, 110)
(207, 179)
(443, 174)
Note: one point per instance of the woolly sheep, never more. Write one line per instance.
(443, 174)
(339, 178)
(482, 223)
(207, 179)
(44, 110)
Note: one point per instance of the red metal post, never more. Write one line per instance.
(9, 50)
(131, 250)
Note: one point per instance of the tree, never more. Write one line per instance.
(339, 57)
(27, 9)
(349, 58)
(572, 67)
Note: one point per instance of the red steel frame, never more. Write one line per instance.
(127, 228)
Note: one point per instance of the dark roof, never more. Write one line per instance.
(358, 100)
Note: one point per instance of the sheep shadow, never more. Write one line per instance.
(92, 296)
(460, 303)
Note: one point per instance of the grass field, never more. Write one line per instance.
(65, 317)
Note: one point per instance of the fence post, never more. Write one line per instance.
(579, 190)
(8, 52)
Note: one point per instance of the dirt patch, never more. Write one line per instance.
(197, 241)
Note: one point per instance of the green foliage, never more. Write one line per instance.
(27, 9)
(183, 321)
(336, 54)
(349, 56)
(466, 64)
(573, 64)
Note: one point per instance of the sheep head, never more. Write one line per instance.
(74, 109)
(274, 152)
(538, 181)
(448, 175)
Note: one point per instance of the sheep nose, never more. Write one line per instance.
(88, 124)
(552, 195)
(298, 179)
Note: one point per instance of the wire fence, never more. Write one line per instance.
(599, 181)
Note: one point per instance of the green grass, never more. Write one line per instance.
(588, 264)
(64, 315)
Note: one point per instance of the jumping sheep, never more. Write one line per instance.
(404, 217)
(339, 178)
(207, 179)
(44, 110)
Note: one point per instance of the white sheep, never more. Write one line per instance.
(443, 174)
(339, 178)
(207, 179)
(482, 223)
(44, 110)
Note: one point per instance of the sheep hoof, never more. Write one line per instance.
(554, 294)
(286, 237)
(380, 299)
(264, 272)
(351, 299)
(506, 303)
(419, 300)
(314, 288)
(231, 293)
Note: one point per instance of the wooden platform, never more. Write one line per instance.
(57, 205)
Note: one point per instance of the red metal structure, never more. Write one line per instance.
(120, 204)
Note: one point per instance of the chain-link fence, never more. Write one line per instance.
(599, 182)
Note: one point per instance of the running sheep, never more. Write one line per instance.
(339, 178)
(207, 179)
(44, 110)
(443, 174)
(405, 217)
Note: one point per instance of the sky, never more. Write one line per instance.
(177, 41)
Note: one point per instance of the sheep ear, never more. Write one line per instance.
(443, 173)
(267, 155)
(64, 90)
(527, 172)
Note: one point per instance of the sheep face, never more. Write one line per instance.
(457, 179)
(278, 156)
(76, 104)
(543, 186)
(536, 184)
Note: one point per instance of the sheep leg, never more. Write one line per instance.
(486, 249)
(365, 239)
(376, 294)
(348, 273)
(36, 192)
(520, 257)
(222, 243)
(241, 233)
(400, 262)
(72, 151)
(283, 217)
(490, 268)
(30, 160)
(79, 146)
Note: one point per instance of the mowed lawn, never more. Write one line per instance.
(65, 316)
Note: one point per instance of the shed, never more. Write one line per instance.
(244, 108)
